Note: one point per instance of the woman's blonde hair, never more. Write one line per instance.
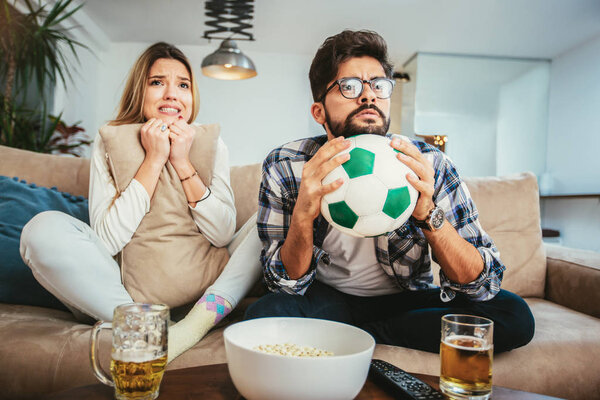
(132, 101)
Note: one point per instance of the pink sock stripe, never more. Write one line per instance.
(216, 304)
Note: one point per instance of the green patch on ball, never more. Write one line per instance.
(342, 215)
(360, 163)
(396, 202)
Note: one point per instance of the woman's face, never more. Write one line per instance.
(168, 93)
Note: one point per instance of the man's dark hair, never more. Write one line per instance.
(341, 47)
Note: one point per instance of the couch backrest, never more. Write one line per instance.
(71, 174)
(245, 182)
(509, 211)
(508, 208)
(68, 174)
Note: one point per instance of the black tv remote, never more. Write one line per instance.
(401, 383)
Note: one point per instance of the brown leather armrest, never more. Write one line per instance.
(573, 278)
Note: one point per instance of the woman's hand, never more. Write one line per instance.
(181, 136)
(155, 141)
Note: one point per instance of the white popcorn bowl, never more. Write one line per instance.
(262, 376)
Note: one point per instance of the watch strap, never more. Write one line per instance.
(426, 223)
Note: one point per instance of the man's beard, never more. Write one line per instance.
(348, 128)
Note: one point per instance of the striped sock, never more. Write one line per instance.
(207, 312)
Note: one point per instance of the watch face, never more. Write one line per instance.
(437, 218)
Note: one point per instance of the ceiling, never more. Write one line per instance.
(513, 28)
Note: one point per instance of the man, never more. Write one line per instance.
(385, 284)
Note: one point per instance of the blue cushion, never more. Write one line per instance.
(19, 202)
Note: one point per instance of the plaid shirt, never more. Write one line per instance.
(403, 254)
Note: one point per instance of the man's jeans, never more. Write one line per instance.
(409, 319)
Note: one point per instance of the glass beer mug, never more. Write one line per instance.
(466, 353)
(139, 350)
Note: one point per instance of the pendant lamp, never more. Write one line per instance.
(228, 62)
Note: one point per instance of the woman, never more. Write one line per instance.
(75, 261)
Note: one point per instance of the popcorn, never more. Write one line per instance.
(292, 350)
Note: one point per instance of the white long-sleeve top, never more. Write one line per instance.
(115, 225)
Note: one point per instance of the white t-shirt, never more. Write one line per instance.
(353, 267)
(214, 216)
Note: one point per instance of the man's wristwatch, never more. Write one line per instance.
(433, 222)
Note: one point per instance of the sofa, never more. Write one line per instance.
(44, 350)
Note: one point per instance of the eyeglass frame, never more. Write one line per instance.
(362, 88)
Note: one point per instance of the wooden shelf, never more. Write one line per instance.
(571, 196)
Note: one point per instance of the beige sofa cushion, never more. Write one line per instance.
(562, 360)
(50, 348)
(72, 175)
(245, 181)
(68, 174)
(509, 211)
(167, 259)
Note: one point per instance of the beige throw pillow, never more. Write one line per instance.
(167, 260)
(509, 211)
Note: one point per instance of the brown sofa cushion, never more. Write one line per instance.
(573, 278)
(167, 259)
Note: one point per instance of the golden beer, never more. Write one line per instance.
(137, 380)
(139, 350)
(466, 365)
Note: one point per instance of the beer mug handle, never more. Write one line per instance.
(98, 371)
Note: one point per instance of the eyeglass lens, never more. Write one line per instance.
(351, 88)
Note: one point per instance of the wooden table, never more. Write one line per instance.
(212, 382)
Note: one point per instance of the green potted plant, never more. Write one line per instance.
(33, 51)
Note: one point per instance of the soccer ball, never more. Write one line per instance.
(375, 197)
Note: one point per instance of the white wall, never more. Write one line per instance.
(255, 115)
(523, 123)
(493, 110)
(407, 123)
(577, 220)
(448, 104)
(573, 146)
(78, 100)
(259, 114)
(574, 121)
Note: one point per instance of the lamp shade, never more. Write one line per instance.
(228, 63)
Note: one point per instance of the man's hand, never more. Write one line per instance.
(459, 259)
(425, 176)
(296, 251)
(308, 205)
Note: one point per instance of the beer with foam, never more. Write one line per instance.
(139, 350)
(466, 354)
(466, 364)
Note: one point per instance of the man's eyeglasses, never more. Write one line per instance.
(351, 88)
